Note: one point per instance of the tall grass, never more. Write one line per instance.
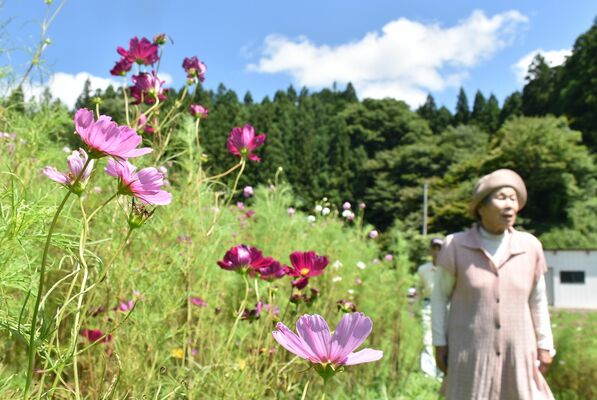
(166, 347)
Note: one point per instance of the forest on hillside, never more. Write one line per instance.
(332, 147)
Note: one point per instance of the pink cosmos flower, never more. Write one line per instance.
(242, 257)
(76, 162)
(373, 234)
(291, 211)
(305, 265)
(143, 125)
(194, 68)
(144, 185)
(125, 305)
(105, 138)
(143, 52)
(346, 205)
(198, 111)
(242, 142)
(197, 301)
(248, 191)
(330, 353)
(121, 67)
(147, 88)
(95, 335)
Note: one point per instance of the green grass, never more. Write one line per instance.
(165, 347)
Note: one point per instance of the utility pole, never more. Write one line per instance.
(424, 227)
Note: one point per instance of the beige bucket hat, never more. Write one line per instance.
(495, 180)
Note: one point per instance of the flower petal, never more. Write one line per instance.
(291, 342)
(54, 175)
(315, 332)
(363, 356)
(350, 333)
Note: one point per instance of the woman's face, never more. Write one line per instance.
(499, 213)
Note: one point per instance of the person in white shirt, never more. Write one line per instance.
(426, 274)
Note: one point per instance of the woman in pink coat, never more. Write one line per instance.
(495, 342)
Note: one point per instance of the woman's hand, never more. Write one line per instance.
(545, 360)
(441, 358)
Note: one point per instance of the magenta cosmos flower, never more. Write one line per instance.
(143, 52)
(242, 142)
(197, 301)
(330, 353)
(147, 88)
(95, 335)
(76, 161)
(121, 67)
(105, 138)
(269, 270)
(305, 265)
(194, 68)
(198, 111)
(242, 258)
(144, 185)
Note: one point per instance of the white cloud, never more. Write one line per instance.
(552, 57)
(67, 87)
(405, 60)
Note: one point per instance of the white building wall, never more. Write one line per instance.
(572, 295)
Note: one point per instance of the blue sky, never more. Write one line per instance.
(400, 49)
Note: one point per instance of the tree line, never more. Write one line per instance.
(331, 145)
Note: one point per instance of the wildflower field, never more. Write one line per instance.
(132, 268)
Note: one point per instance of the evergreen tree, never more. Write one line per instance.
(491, 116)
(248, 99)
(428, 110)
(462, 114)
(512, 107)
(84, 99)
(443, 120)
(350, 94)
(538, 92)
(479, 105)
(577, 86)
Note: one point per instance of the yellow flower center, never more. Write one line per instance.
(305, 271)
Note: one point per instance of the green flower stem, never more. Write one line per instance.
(100, 207)
(212, 178)
(256, 289)
(243, 306)
(178, 103)
(243, 162)
(43, 41)
(200, 168)
(40, 288)
(304, 395)
(187, 328)
(75, 329)
(126, 102)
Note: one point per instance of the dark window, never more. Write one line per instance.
(572, 276)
